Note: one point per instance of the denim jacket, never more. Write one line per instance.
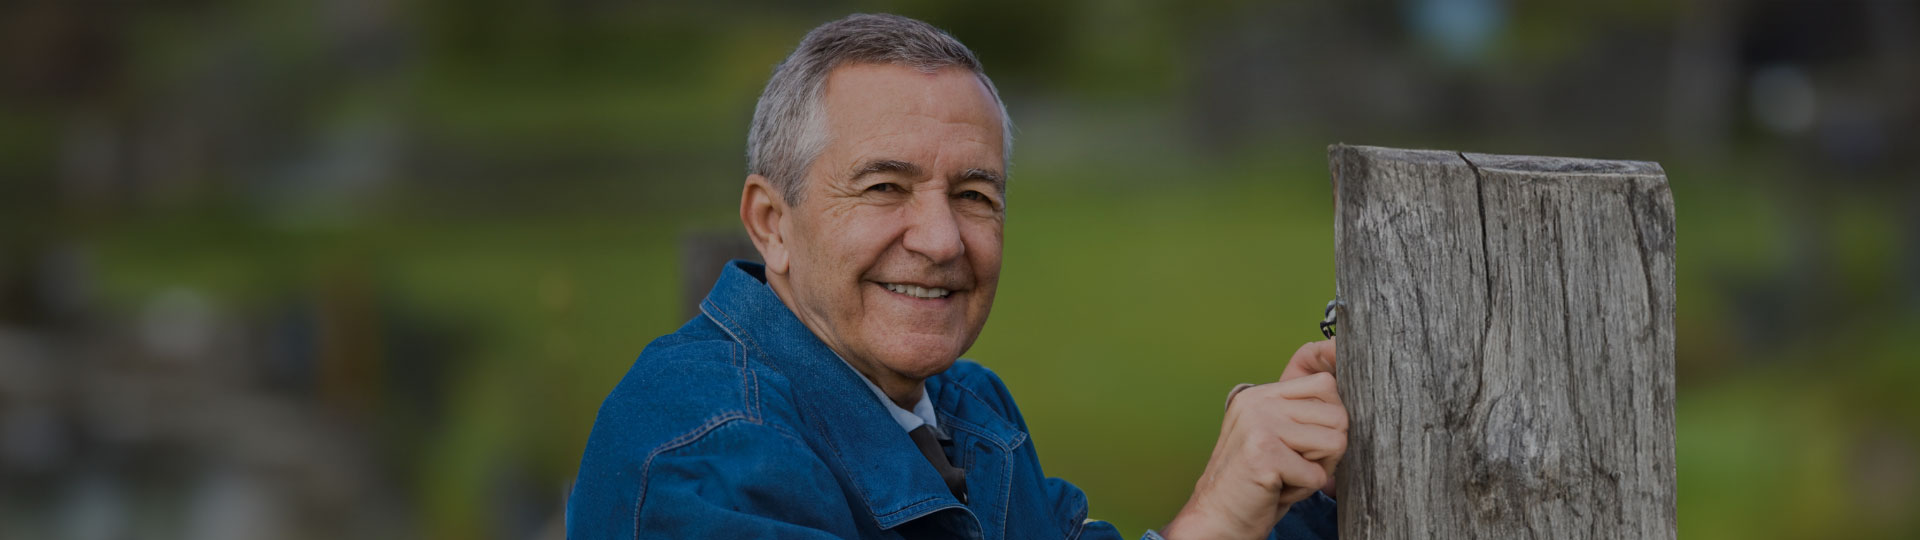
(743, 424)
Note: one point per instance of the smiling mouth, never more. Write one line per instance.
(917, 291)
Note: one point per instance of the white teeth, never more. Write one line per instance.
(917, 291)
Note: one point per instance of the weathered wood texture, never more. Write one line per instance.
(1506, 345)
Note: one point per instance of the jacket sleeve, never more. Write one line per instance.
(730, 479)
(1313, 518)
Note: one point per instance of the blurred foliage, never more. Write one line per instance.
(511, 180)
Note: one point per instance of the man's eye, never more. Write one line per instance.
(883, 188)
(978, 197)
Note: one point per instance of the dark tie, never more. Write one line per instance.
(929, 444)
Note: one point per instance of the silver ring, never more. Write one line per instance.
(1236, 391)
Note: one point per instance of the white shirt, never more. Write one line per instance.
(922, 413)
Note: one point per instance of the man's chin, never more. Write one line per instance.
(922, 362)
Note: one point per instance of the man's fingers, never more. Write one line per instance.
(1317, 413)
(1320, 386)
(1315, 357)
(1294, 494)
(1319, 444)
(1299, 477)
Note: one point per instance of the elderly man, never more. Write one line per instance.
(822, 395)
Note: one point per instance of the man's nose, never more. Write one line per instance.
(931, 229)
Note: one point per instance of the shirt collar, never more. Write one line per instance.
(922, 413)
(867, 444)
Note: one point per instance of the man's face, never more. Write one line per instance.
(894, 246)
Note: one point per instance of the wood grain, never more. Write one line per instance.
(1506, 345)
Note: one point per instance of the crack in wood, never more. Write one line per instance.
(1486, 273)
(1525, 444)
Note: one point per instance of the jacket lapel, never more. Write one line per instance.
(860, 439)
(987, 444)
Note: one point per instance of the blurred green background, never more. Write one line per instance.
(366, 269)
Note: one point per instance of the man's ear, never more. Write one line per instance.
(763, 210)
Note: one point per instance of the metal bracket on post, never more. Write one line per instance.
(1327, 321)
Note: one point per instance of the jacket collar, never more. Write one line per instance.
(884, 466)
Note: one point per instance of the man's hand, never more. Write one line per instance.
(1280, 442)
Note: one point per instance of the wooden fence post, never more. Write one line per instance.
(1505, 345)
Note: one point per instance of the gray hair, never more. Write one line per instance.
(789, 125)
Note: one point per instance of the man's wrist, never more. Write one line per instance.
(1193, 523)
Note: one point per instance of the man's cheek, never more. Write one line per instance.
(864, 241)
(985, 246)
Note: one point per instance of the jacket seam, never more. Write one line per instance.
(749, 384)
(721, 318)
(688, 439)
(1079, 521)
(866, 499)
(684, 439)
(726, 324)
(1006, 490)
(748, 347)
(1020, 434)
(740, 364)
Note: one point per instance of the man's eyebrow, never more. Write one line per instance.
(988, 175)
(885, 166)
